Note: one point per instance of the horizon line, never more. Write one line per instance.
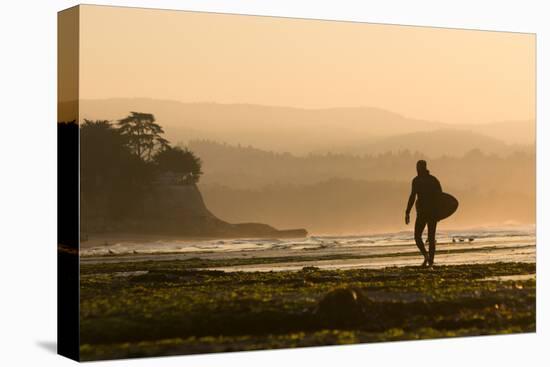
(533, 118)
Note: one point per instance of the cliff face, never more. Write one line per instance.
(180, 210)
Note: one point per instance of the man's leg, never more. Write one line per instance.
(419, 226)
(432, 225)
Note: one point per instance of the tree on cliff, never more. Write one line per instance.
(143, 135)
(182, 162)
(111, 175)
(120, 165)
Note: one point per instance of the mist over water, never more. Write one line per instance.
(343, 170)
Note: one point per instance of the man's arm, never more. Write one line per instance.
(438, 186)
(410, 203)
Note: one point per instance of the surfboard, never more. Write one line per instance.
(447, 206)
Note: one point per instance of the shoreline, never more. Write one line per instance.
(99, 239)
(268, 255)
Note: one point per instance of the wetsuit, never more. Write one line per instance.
(427, 190)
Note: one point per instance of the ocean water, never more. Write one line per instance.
(390, 249)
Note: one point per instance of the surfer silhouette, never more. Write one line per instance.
(426, 190)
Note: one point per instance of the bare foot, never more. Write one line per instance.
(426, 262)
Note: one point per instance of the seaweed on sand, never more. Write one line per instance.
(170, 307)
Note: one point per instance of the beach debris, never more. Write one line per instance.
(463, 239)
(129, 273)
(343, 307)
(310, 268)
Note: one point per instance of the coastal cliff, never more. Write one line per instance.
(177, 209)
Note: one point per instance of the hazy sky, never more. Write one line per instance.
(428, 73)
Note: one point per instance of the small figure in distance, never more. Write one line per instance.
(426, 191)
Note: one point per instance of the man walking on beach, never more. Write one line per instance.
(426, 189)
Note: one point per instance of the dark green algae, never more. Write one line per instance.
(152, 308)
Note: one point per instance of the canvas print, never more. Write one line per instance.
(237, 182)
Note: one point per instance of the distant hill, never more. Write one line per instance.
(246, 167)
(347, 206)
(295, 130)
(511, 132)
(435, 143)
